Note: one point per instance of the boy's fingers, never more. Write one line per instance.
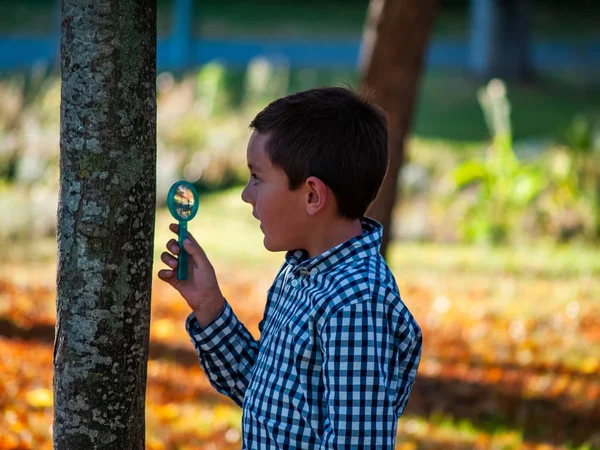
(173, 246)
(175, 229)
(168, 260)
(166, 275)
(190, 245)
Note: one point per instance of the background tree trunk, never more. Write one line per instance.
(105, 222)
(394, 47)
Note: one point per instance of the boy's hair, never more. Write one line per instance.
(333, 134)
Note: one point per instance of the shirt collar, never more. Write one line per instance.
(359, 247)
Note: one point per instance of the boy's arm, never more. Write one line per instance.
(227, 352)
(368, 374)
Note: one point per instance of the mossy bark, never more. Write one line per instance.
(394, 49)
(105, 222)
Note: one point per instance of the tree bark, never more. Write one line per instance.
(394, 48)
(105, 222)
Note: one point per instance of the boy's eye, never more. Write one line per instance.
(254, 177)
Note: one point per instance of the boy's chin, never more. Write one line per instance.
(273, 246)
(270, 245)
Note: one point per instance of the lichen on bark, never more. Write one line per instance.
(105, 222)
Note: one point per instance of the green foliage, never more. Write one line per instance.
(495, 433)
(582, 135)
(202, 133)
(556, 190)
(305, 18)
(29, 116)
(505, 186)
(448, 107)
(265, 81)
(209, 86)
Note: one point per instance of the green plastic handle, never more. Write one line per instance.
(182, 261)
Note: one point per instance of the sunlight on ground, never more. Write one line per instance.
(511, 341)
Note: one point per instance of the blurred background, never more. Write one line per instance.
(495, 234)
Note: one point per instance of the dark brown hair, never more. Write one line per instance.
(333, 134)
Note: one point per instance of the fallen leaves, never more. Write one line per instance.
(493, 347)
(39, 398)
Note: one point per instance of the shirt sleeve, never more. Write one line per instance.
(370, 360)
(227, 352)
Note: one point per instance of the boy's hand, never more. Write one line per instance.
(201, 290)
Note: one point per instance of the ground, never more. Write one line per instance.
(511, 342)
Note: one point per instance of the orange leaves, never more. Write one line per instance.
(163, 329)
(26, 400)
(494, 345)
(28, 306)
(39, 398)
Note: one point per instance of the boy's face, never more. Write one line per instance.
(282, 212)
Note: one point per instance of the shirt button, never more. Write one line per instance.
(314, 271)
(294, 283)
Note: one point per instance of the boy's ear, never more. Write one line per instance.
(315, 196)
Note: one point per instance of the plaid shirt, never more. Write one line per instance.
(337, 356)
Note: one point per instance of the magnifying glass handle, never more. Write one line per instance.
(182, 261)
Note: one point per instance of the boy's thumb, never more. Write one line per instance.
(194, 249)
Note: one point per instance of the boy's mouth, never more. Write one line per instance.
(256, 217)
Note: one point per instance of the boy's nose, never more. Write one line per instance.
(245, 195)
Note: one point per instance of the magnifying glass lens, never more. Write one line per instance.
(183, 205)
(184, 201)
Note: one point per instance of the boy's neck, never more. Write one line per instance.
(328, 235)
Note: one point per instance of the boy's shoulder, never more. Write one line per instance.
(362, 287)
(366, 278)
(346, 275)
(354, 281)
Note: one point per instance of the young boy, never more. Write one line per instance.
(338, 351)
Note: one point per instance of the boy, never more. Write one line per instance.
(338, 351)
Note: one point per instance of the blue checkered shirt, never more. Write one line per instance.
(337, 356)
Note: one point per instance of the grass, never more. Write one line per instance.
(448, 126)
(229, 234)
(479, 284)
(447, 106)
(524, 283)
(231, 237)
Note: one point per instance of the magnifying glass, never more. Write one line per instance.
(183, 205)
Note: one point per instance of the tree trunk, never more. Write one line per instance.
(394, 47)
(105, 222)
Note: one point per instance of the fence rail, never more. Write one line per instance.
(18, 53)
